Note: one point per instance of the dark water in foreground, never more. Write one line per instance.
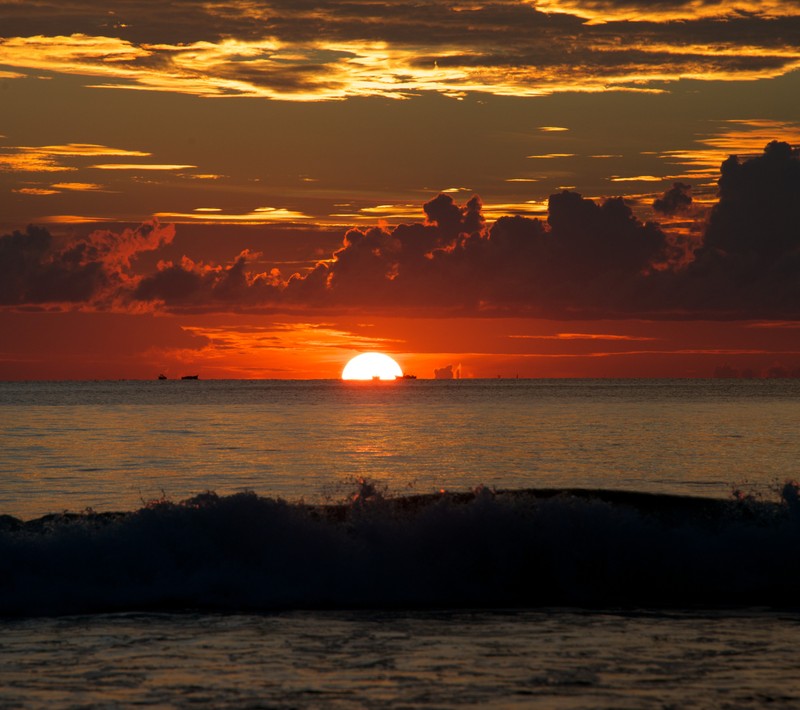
(605, 562)
(466, 659)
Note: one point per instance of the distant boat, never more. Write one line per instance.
(162, 377)
(190, 377)
(405, 377)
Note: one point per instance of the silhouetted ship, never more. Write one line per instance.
(162, 377)
(190, 377)
(405, 377)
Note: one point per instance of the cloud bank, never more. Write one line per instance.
(96, 271)
(588, 259)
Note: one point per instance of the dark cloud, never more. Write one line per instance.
(189, 286)
(32, 273)
(91, 270)
(749, 261)
(587, 259)
(439, 22)
(676, 200)
(758, 213)
(405, 265)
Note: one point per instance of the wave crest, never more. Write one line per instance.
(484, 548)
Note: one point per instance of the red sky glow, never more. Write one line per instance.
(532, 188)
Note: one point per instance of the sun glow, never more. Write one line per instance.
(371, 366)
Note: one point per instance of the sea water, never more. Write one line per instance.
(332, 544)
(115, 445)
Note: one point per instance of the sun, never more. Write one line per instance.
(371, 366)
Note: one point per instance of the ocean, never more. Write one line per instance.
(415, 544)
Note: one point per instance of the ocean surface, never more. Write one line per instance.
(114, 445)
(469, 543)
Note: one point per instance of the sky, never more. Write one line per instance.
(532, 188)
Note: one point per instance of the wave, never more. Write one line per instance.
(484, 548)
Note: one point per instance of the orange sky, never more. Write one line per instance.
(539, 189)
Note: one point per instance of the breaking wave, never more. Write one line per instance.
(516, 548)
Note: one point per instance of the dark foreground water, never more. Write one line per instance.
(587, 550)
(470, 659)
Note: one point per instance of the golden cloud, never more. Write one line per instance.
(35, 191)
(81, 149)
(636, 178)
(77, 186)
(71, 219)
(743, 137)
(330, 70)
(141, 166)
(30, 163)
(260, 215)
(50, 158)
(602, 11)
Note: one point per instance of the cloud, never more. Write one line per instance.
(38, 191)
(758, 212)
(57, 188)
(669, 10)
(190, 285)
(260, 215)
(636, 178)
(749, 260)
(77, 186)
(336, 49)
(94, 270)
(587, 259)
(53, 158)
(745, 137)
(140, 166)
(586, 255)
(677, 199)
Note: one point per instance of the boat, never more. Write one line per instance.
(405, 377)
(162, 377)
(190, 377)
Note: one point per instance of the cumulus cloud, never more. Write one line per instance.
(749, 261)
(189, 285)
(758, 212)
(675, 200)
(35, 269)
(587, 259)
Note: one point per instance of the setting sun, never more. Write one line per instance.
(371, 366)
